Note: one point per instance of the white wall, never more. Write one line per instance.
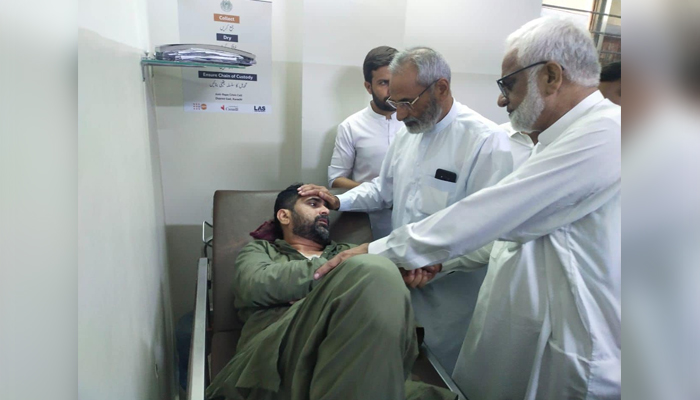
(38, 196)
(125, 327)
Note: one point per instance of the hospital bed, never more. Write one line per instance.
(216, 326)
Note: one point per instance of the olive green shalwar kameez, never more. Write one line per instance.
(349, 335)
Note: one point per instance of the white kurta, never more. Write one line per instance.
(547, 323)
(360, 145)
(478, 152)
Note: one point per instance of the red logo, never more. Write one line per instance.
(223, 108)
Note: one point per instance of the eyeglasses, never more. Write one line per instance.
(501, 84)
(407, 104)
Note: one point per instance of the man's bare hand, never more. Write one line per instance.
(322, 192)
(417, 278)
(342, 256)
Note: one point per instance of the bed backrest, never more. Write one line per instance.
(236, 214)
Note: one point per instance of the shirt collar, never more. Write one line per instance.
(375, 115)
(286, 247)
(451, 115)
(283, 245)
(517, 136)
(508, 127)
(550, 134)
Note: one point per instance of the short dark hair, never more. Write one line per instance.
(376, 58)
(286, 200)
(611, 72)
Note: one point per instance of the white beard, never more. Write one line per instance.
(524, 117)
(427, 121)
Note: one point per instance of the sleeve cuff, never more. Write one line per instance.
(344, 202)
(376, 247)
(441, 274)
(335, 173)
(471, 261)
(449, 265)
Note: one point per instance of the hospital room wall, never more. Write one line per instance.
(125, 327)
(318, 49)
(337, 37)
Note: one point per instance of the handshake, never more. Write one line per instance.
(417, 278)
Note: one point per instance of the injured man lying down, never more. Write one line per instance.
(349, 335)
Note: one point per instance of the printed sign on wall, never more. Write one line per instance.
(237, 24)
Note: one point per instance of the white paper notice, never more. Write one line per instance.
(238, 24)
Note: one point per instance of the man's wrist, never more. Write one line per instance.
(340, 203)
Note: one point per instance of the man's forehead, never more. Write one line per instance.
(403, 81)
(510, 63)
(382, 72)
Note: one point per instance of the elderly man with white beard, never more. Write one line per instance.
(445, 152)
(547, 323)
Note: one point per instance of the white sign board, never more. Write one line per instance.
(238, 24)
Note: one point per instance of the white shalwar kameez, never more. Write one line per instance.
(547, 323)
(478, 152)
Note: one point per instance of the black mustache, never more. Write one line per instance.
(323, 218)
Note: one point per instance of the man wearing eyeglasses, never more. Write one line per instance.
(445, 153)
(547, 323)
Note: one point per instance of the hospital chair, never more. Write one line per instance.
(216, 326)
